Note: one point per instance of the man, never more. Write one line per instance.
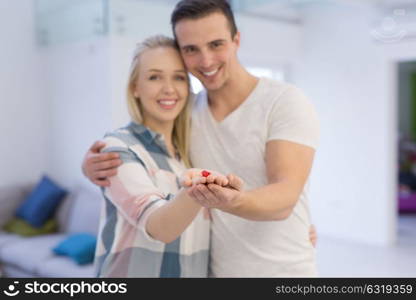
(262, 130)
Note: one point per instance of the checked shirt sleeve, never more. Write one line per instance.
(132, 191)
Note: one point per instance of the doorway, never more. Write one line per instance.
(406, 87)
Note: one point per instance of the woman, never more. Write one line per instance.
(149, 227)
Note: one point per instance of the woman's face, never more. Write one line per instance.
(162, 85)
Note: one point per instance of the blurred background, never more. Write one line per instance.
(63, 70)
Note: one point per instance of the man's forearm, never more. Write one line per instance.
(272, 202)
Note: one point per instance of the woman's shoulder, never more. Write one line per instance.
(120, 133)
(120, 137)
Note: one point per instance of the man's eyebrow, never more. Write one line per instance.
(210, 42)
(216, 41)
(187, 46)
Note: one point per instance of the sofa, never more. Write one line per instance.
(21, 256)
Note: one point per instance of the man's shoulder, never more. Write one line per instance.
(281, 92)
(276, 87)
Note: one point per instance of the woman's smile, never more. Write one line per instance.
(167, 104)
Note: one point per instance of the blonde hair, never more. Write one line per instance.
(181, 127)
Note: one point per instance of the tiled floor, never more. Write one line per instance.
(338, 258)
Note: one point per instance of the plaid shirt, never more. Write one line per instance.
(147, 179)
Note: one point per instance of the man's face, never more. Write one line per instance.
(208, 50)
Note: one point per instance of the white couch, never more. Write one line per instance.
(33, 256)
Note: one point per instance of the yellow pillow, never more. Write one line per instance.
(21, 227)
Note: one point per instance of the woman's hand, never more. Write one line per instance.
(195, 176)
(223, 197)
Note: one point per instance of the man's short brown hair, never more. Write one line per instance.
(195, 9)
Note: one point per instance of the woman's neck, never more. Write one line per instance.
(165, 129)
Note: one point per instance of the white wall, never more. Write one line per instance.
(24, 111)
(351, 80)
(55, 100)
(269, 44)
(78, 88)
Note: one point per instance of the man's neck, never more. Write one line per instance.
(224, 101)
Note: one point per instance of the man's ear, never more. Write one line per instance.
(237, 39)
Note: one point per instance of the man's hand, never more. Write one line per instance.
(216, 196)
(313, 235)
(195, 176)
(98, 167)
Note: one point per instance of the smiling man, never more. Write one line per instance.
(260, 129)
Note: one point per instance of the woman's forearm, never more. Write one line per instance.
(170, 220)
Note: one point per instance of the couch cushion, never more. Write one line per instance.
(41, 204)
(12, 271)
(8, 238)
(21, 227)
(29, 252)
(63, 266)
(80, 247)
(84, 215)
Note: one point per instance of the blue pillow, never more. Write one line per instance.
(41, 203)
(80, 247)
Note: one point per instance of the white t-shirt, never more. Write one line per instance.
(240, 247)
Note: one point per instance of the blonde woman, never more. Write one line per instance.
(149, 226)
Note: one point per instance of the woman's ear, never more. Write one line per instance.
(136, 91)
